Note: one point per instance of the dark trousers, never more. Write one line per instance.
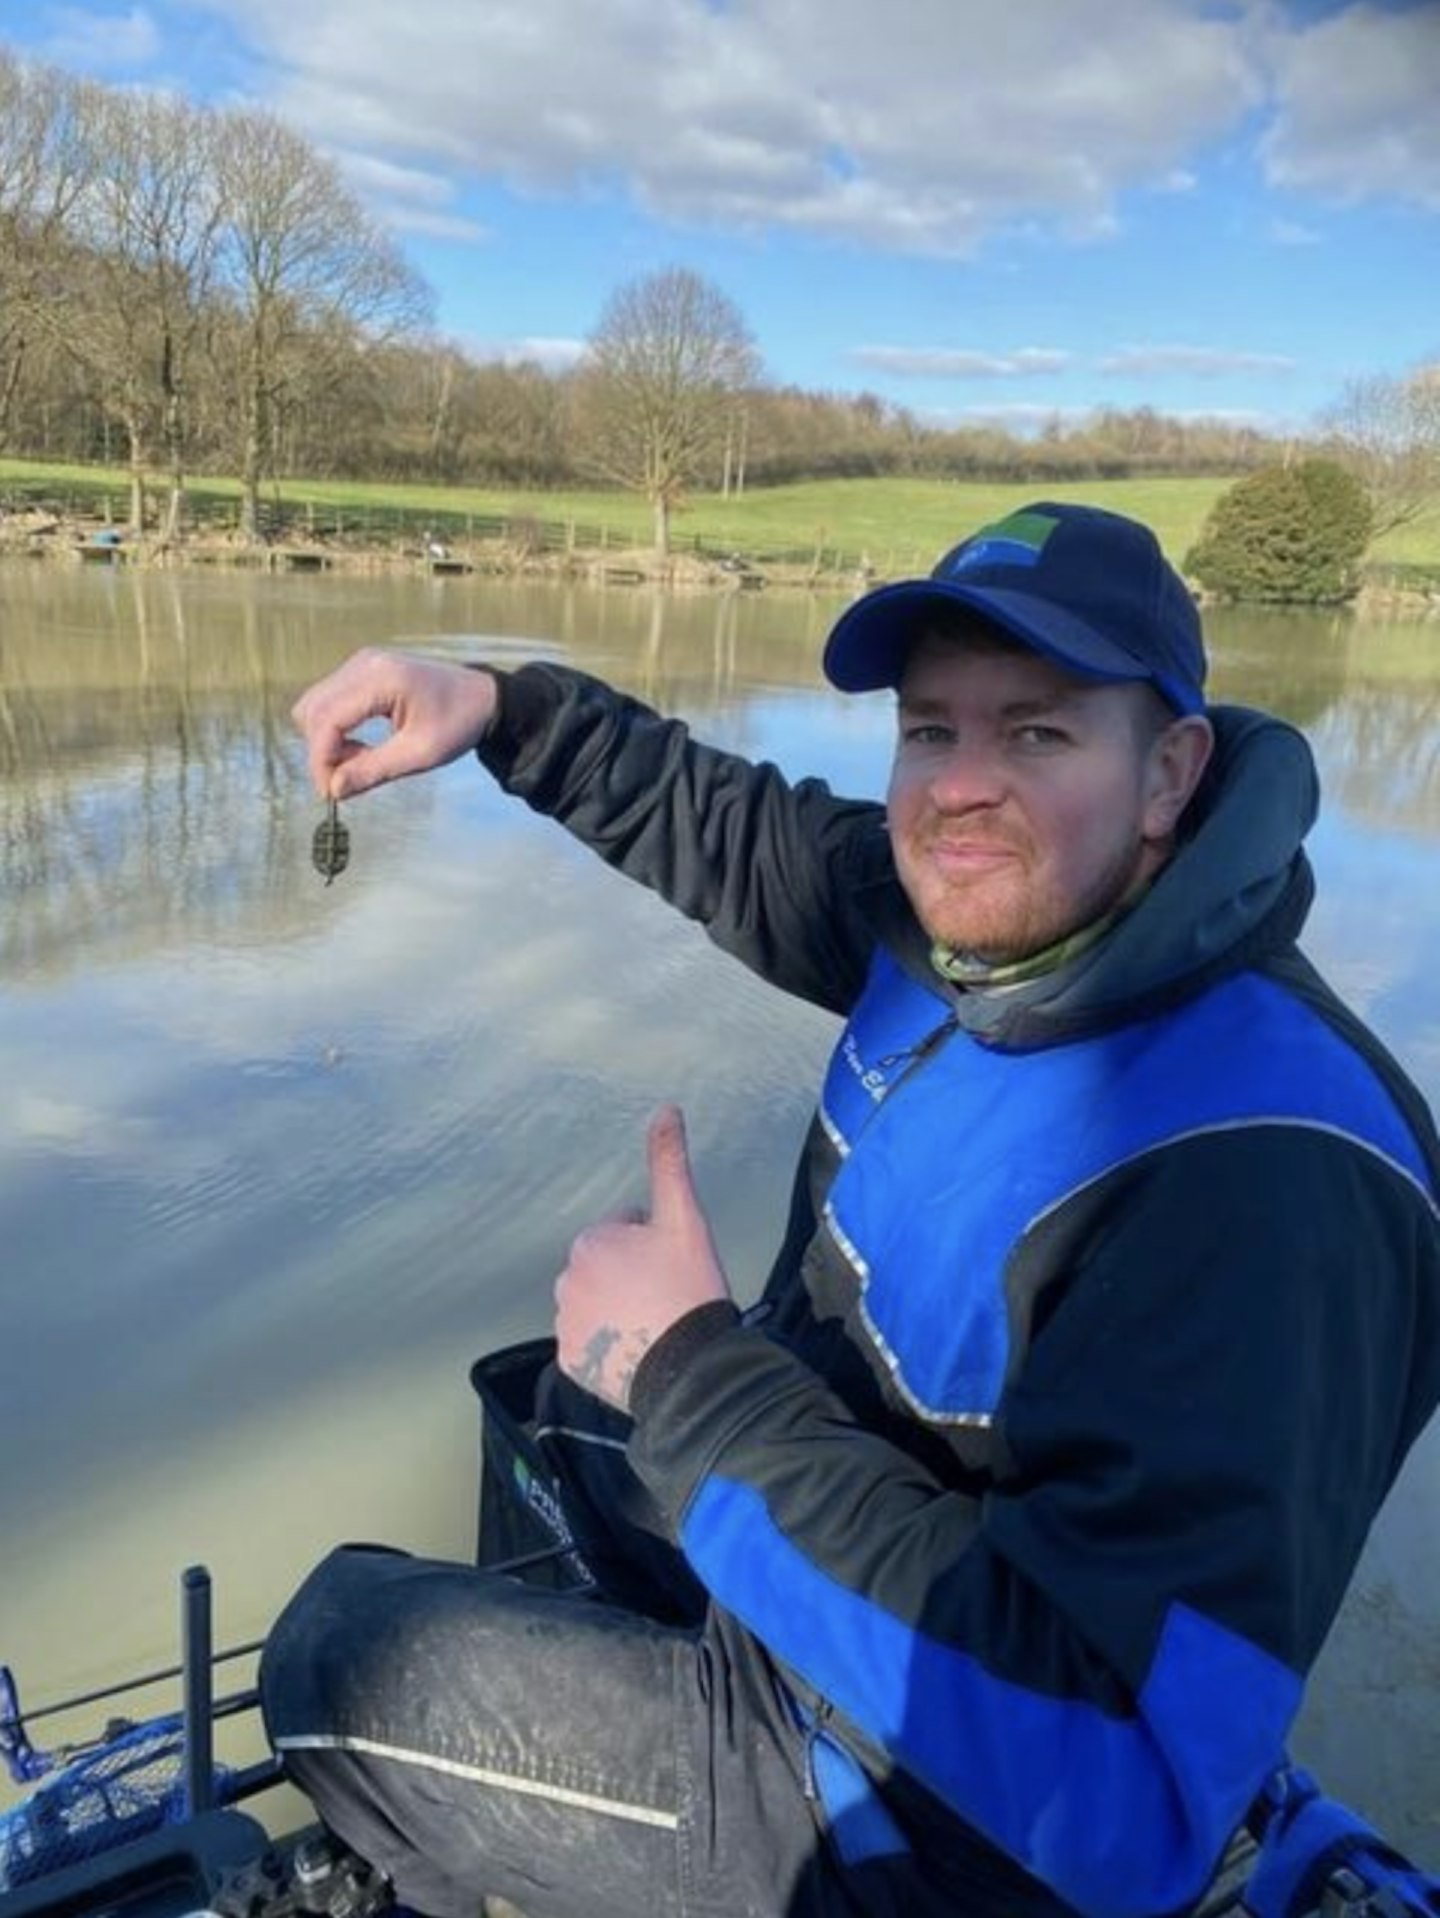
(626, 1751)
(469, 1735)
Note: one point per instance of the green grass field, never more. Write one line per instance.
(900, 525)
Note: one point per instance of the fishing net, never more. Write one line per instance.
(130, 1785)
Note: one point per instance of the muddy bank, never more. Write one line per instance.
(49, 537)
(42, 535)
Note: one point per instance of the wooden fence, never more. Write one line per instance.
(520, 535)
(426, 530)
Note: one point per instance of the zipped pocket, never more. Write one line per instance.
(852, 1812)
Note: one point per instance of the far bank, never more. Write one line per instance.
(845, 533)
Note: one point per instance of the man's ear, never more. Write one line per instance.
(1175, 766)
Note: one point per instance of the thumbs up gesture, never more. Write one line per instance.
(630, 1278)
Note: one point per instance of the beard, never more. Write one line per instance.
(998, 902)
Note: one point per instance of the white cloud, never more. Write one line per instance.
(942, 362)
(79, 38)
(1030, 417)
(1203, 362)
(1023, 416)
(921, 127)
(1292, 233)
(555, 355)
(915, 127)
(410, 199)
(371, 174)
(435, 226)
(1221, 416)
(1356, 106)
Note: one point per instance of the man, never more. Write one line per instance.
(1021, 1505)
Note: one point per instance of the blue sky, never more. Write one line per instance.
(1006, 210)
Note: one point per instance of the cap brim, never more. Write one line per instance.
(868, 645)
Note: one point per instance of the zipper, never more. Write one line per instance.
(816, 1725)
(919, 1052)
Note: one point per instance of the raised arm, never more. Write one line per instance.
(781, 875)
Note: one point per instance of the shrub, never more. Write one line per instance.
(1293, 534)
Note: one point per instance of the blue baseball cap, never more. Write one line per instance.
(1089, 589)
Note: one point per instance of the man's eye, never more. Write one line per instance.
(1040, 736)
(926, 733)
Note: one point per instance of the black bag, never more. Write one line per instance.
(521, 1523)
(559, 1504)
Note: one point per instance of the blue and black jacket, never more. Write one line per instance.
(1109, 1308)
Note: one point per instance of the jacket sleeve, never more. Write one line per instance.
(772, 870)
(1096, 1663)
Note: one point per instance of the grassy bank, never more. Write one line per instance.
(896, 525)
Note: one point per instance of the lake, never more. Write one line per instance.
(277, 1159)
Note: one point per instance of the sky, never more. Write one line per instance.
(980, 210)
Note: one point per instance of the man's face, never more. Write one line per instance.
(1025, 803)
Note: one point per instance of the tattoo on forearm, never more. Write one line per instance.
(606, 1369)
(641, 1339)
(590, 1368)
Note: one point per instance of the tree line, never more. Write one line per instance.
(178, 284)
(191, 289)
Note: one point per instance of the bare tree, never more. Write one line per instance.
(657, 392)
(145, 227)
(1387, 430)
(42, 170)
(309, 277)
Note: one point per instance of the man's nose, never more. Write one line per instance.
(966, 775)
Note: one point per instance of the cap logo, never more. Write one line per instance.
(1016, 541)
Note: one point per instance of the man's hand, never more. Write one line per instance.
(436, 712)
(629, 1279)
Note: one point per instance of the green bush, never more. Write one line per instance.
(1292, 534)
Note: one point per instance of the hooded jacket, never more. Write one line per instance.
(1105, 1317)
